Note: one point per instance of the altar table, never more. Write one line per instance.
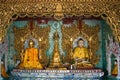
(83, 74)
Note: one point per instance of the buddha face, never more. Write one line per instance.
(31, 43)
(80, 43)
(115, 62)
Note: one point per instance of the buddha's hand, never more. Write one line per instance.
(79, 59)
(82, 59)
(85, 59)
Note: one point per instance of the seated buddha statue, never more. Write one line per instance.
(81, 55)
(30, 59)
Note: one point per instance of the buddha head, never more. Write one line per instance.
(115, 62)
(31, 43)
(80, 42)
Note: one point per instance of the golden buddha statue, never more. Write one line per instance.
(30, 60)
(56, 62)
(81, 56)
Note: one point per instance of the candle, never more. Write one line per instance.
(71, 39)
(40, 39)
(0, 39)
(71, 67)
(22, 39)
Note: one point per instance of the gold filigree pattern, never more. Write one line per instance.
(108, 10)
(20, 36)
(68, 34)
(92, 37)
(43, 33)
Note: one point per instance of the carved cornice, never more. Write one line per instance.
(11, 9)
(39, 1)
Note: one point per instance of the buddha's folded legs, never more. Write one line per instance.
(84, 65)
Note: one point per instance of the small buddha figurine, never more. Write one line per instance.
(115, 69)
(81, 55)
(3, 71)
(30, 59)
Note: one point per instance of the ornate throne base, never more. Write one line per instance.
(56, 66)
(56, 74)
(60, 68)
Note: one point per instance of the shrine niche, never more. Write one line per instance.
(86, 32)
(35, 33)
(61, 39)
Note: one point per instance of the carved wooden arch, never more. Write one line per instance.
(12, 9)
